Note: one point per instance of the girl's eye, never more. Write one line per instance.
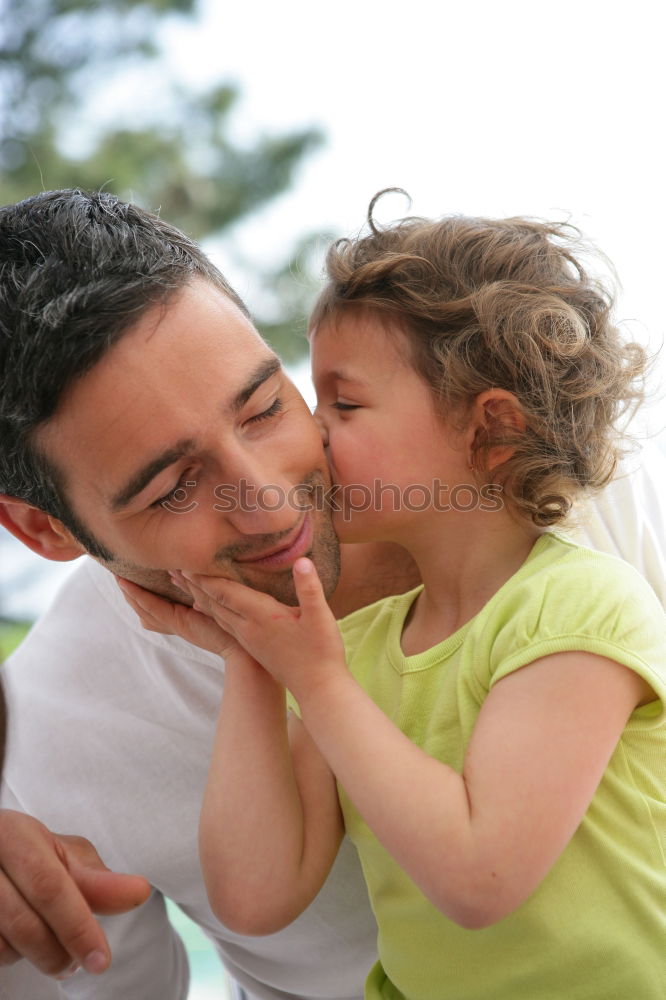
(345, 406)
(274, 408)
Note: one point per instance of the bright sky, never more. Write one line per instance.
(481, 107)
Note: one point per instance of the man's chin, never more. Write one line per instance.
(325, 554)
(279, 585)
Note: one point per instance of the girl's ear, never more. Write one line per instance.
(45, 535)
(496, 415)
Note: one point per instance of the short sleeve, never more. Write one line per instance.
(583, 601)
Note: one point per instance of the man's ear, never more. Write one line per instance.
(45, 535)
(496, 414)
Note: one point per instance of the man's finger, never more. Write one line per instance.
(106, 892)
(7, 954)
(50, 924)
(44, 916)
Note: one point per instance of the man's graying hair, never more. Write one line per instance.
(77, 270)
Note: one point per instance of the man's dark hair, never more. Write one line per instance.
(77, 270)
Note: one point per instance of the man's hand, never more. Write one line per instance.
(49, 884)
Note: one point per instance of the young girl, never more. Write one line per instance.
(494, 742)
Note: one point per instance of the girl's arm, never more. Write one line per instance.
(270, 824)
(479, 843)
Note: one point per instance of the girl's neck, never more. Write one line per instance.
(463, 561)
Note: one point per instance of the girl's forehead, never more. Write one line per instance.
(365, 354)
(360, 335)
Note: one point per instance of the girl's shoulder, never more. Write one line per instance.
(568, 597)
(564, 578)
(559, 561)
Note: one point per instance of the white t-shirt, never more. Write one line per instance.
(629, 518)
(111, 729)
(110, 734)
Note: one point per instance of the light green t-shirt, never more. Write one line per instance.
(595, 929)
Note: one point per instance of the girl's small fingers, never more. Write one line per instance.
(201, 599)
(179, 580)
(127, 591)
(134, 594)
(309, 590)
(217, 596)
(158, 614)
(202, 602)
(149, 621)
(144, 601)
(155, 613)
(135, 606)
(151, 626)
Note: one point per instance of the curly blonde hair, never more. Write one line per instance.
(503, 303)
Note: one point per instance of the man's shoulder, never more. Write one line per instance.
(79, 613)
(95, 702)
(89, 647)
(628, 519)
(89, 627)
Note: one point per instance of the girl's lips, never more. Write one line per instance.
(291, 550)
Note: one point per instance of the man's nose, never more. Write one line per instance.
(262, 505)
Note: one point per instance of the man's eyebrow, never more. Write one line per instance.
(143, 476)
(265, 370)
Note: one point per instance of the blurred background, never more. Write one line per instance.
(263, 129)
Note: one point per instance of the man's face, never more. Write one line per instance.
(187, 447)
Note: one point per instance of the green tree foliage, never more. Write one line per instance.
(55, 58)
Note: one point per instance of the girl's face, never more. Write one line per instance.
(395, 459)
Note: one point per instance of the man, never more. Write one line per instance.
(130, 373)
(143, 421)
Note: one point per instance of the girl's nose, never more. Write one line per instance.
(323, 429)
